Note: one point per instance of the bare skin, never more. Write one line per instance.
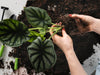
(67, 44)
(93, 24)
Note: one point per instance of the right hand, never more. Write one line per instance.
(93, 23)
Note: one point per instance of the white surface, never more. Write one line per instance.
(6, 61)
(98, 69)
(91, 63)
(15, 7)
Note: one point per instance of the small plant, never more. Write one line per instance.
(41, 50)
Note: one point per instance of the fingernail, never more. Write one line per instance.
(70, 15)
(53, 26)
(63, 29)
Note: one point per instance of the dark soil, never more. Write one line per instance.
(83, 43)
(21, 53)
(1, 63)
(12, 65)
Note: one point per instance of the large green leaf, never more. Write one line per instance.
(37, 17)
(13, 32)
(42, 54)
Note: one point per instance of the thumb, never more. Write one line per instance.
(64, 32)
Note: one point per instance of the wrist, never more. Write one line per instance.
(95, 25)
(68, 52)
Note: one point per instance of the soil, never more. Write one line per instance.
(1, 63)
(57, 10)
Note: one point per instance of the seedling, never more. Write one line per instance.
(40, 20)
(41, 50)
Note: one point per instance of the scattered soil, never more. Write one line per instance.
(12, 65)
(8, 67)
(57, 10)
(1, 63)
(21, 53)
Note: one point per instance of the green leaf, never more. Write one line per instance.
(37, 17)
(13, 32)
(33, 35)
(42, 31)
(42, 54)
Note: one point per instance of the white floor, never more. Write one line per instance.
(91, 63)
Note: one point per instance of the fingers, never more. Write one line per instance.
(51, 30)
(64, 34)
(82, 17)
(54, 36)
(60, 23)
(77, 16)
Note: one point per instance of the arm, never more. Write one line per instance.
(74, 64)
(93, 23)
(67, 47)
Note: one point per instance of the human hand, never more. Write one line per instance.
(92, 24)
(64, 42)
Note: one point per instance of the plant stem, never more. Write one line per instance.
(52, 27)
(30, 29)
(1, 50)
(52, 35)
(16, 64)
(52, 23)
(55, 30)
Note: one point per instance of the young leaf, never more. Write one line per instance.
(37, 17)
(42, 54)
(13, 32)
(42, 31)
(33, 35)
